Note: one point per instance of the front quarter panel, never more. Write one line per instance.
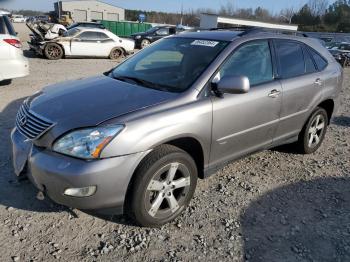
(143, 133)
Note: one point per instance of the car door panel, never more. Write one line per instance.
(298, 94)
(244, 123)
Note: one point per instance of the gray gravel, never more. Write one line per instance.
(272, 206)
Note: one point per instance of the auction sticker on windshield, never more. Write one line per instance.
(204, 43)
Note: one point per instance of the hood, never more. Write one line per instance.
(91, 101)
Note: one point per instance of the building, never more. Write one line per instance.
(89, 10)
(214, 21)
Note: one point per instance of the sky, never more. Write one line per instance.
(162, 5)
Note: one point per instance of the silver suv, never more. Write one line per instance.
(136, 139)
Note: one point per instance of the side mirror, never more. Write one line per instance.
(233, 85)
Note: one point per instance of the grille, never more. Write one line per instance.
(30, 124)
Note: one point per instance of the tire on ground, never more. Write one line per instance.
(153, 162)
(53, 51)
(116, 53)
(303, 142)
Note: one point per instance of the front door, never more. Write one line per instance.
(86, 44)
(244, 123)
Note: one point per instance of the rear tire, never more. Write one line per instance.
(162, 187)
(314, 131)
(116, 53)
(53, 51)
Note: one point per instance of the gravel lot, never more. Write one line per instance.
(273, 206)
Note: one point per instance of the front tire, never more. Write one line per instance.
(53, 51)
(162, 187)
(314, 131)
(145, 43)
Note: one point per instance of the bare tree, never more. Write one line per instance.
(318, 7)
(227, 9)
(286, 15)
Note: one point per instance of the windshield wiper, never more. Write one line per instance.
(144, 83)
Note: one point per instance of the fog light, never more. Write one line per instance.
(81, 192)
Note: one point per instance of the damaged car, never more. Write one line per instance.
(84, 42)
(43, 31)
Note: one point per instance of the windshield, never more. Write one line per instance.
(152, 29)
(171, 64)
(72, 26)
(72, 32)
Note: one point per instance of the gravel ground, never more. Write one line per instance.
(272, 206)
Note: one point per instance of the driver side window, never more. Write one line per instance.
(252, 60)
(163, 31)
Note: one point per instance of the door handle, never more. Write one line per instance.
(274, 93)
(318, 82)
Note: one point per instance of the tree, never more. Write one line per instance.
(318, 7)
(305, 17)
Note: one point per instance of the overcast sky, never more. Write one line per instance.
(162, 5)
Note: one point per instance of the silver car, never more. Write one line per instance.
(136, 139)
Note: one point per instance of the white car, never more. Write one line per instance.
(18, 19)
(12, 62)
(85, 42)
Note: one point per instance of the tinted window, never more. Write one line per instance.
(163, 31)
(159, 59)
(72, 32)
(92, 36)
(319, 60)
(101, 36)
(291, 59)
(309, 63)
(252, 60)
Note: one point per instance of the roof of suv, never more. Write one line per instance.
(222, 35)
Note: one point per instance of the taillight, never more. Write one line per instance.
(13, 42)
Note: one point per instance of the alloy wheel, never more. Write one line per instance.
(167, 190)
(316, 130)
(53, 51)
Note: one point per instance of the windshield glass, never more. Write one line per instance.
(152, 29)
(72, 26)
(72, 32)
(172, 64)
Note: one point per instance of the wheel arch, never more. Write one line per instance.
(57, 43)
(328, 105)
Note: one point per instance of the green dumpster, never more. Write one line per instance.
(125, 29)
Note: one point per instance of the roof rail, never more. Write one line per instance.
(255, 30)
(231, 28)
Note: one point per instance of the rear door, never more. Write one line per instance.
(301, 83)
(244, 123)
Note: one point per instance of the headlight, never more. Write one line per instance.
(137, 37)
(87, 143)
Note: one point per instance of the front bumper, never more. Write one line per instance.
(53, 173)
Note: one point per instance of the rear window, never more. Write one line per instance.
(319, 60)
(309, 63)
(290, 58)
(6, 27)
